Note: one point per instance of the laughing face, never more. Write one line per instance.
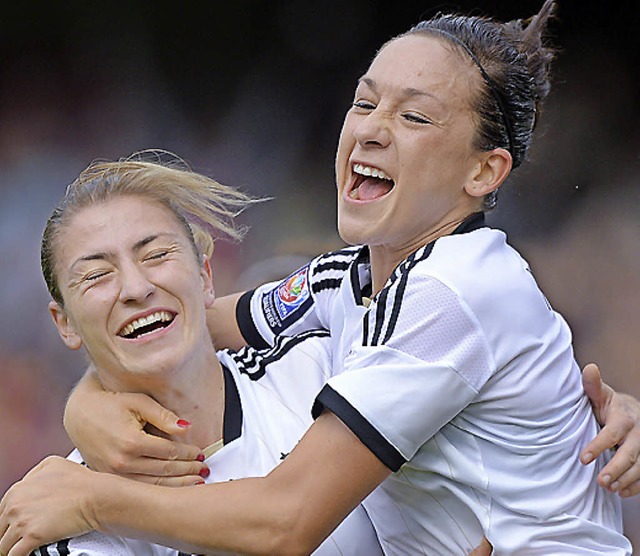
(406, 164)
(135, 293)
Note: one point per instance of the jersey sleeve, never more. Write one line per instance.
(302, 301)
(95, 544)
(423, 358)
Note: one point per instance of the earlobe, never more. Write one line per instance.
(207, 282)
(65, 327)
(492, 169)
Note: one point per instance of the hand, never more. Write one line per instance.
(620, 415)
(46, 506)
(483, 549)
(111, 431)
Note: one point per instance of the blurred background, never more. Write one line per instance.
(253, 94)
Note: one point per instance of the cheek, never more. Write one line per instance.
(345, 143)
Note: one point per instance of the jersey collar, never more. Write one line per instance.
(360, 271)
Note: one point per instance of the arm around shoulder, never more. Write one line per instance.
(290, 511)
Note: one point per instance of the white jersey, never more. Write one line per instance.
(461, 378)
(268, 399)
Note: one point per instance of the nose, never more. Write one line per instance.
(135, 287)
(373, 130)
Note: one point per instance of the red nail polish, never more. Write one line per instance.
(198, 483)
(200, 457)
(183, 423)
(204, 472)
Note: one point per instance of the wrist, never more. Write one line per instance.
(102, 499)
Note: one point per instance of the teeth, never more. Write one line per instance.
(370, 171)
(163, 316)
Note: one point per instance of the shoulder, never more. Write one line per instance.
(311, 346)
(475, 265)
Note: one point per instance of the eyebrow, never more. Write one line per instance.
(407, 91)
(105, 255)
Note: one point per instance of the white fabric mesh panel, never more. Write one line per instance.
(435, 325)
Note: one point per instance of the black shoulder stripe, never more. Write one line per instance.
(345, 251)
(422, 256)
(379, 319)
(412, 261)
(326, 284)
(395, 309)
(63, 547)
(331, 265)
(255, 366)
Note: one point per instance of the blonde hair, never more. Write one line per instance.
(206, 208)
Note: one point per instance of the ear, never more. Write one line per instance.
(207, 282)
(65, 327)
(492, 169)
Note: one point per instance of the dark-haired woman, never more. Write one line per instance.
(459, 409)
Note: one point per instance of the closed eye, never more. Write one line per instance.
(364, 105)
(96, 275)
(416, 118)
(157, 255)
(92, 276)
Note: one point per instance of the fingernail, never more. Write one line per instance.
(200, 457)
(183, 423)
(198, 483)
(204, 472)
(587, 458)
(606, 480)
(615, 486)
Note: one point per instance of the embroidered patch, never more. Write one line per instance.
(292, 292)
(288, 301)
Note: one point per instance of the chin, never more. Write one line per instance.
(354, 233)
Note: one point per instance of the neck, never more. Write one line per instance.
(385, 258)
(195, 392)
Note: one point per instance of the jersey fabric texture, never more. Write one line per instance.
(461, 378)
(268, 399)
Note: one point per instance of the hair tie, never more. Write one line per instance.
(487, 80)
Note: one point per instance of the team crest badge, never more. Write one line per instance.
(292, 293)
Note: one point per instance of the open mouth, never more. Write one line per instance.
(369, 183)
(146, 325)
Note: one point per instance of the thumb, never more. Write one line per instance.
(592, 384)
(149, 411)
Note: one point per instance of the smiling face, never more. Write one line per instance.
(406, 166)
(134, 292)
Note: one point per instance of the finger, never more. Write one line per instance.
(632, 490)
(166, 468)
(149, 411)
(187, 480)
(9, 539)
(23, 547)
(623, 470)
(609, 437)
(164, 449)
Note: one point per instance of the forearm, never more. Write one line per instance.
(243, 516)
(291, 511)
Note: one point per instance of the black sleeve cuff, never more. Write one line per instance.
(245, 322)
(329, 399)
